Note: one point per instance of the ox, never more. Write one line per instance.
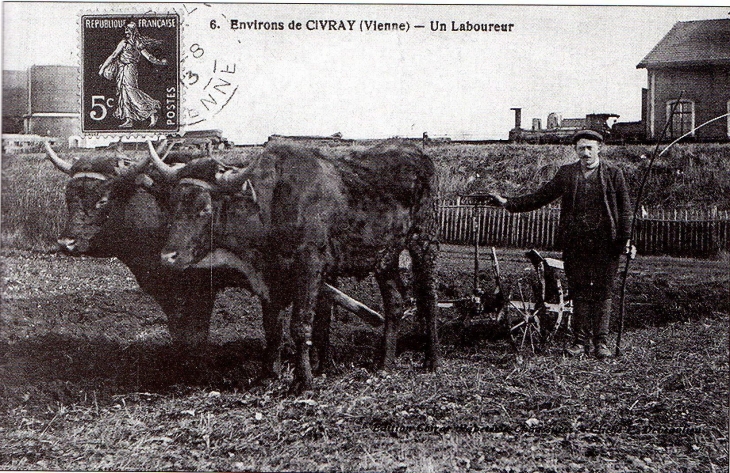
(117, 210)
(295, 220)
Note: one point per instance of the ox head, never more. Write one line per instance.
(202, 188)
(90, 196)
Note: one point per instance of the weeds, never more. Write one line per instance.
(693, 175)
(33, 210)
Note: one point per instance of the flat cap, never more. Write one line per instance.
(588, 135)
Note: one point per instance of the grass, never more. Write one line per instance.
(88, 380)
(33, 206)
(688, 176)
(33, 209)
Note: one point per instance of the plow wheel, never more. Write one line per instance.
(523, 323)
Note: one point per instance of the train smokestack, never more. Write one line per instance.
(518, 117)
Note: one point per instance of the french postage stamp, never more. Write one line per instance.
(130, 68)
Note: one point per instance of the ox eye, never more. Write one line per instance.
(102, 202)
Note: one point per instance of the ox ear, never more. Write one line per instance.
(122, 165)
(144, 180)
(247, 189)
(126, 166)
(223, 175)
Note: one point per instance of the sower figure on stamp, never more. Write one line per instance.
(595, 221)
(132, 103)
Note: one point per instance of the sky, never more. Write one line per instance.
(571, 60)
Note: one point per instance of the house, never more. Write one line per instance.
(15, 100)
(42, 100)
(53, 101)
(693, 60)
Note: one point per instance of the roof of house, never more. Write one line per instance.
(692, 43)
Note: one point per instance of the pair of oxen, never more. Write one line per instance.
(281, 227)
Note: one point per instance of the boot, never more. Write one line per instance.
(581, 313)
(602, 320)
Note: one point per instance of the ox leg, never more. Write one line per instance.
(189, 328)
(188, 307)
(188, 314)
(423, 254)
(393, 308)
(390, 290)
(321, 334)
(189, 322)
(276, 328)
(308, 280)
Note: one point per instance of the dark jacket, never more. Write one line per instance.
(565, 185)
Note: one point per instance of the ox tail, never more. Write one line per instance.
(423, 247)
(425, 208)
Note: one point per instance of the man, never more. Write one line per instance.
(595, 221)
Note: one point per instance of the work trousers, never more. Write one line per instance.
(590, 322)
(591, 263)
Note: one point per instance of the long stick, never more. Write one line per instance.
(691, 132)
(636, 210)
(625, 275)
(475, 232)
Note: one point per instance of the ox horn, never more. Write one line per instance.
(62, 165)
(233, 178)
(168, 171)
(163, 149)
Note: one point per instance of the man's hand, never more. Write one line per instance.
(630, 250)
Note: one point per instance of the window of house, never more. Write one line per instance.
(683, 119)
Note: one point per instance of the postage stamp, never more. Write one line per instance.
(130, 68)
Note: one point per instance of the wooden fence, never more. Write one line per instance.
(697, 234)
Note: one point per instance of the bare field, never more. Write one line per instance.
(89, 382)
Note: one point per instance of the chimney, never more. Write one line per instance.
(518, 117)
